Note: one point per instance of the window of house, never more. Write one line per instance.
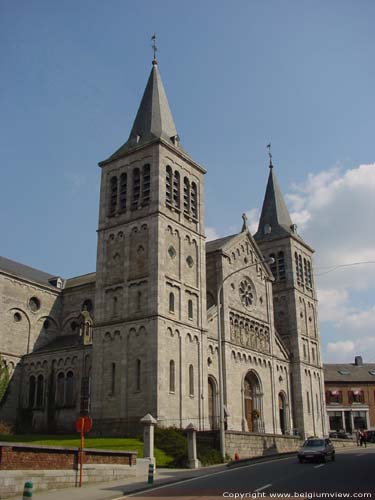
(171, 376)
(334, 397)
(171, 302)
(123, 191)
(146, 185)
(357, 396)
(191, 380)
(69, 389)
(138, 374)
(112, 196)
(136, 188)
(190, 309)
(40, 391)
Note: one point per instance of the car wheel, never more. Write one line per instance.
(300, 460)
(333, 457)
(324, 459)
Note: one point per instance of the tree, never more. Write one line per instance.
(4, 378)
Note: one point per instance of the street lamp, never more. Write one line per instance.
(220, 352)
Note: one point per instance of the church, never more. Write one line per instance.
(140, 335)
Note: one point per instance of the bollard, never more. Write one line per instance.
(27, 490)
(236, 457)
(150, 480)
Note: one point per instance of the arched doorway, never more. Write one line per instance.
(252, 402)
(282, 413)
(212, 403)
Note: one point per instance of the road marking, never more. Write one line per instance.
(200, 477)
(262, 488)
(317, 466)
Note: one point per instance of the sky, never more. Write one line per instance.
(238, 74)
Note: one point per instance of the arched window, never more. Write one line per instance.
(139, 301)
(171, 302)
(136, 188)
(114, 306)
(296, 264)
(113, 379)
(194, 200)
(123, 191)
(171, 376)
(186, 196)
(146, 185)
(176, 189)
(138, 374)
(112, 196)
(87, 305)
(191, 380)
(32, 390)
(40, 391)
(60, 389)
(309, 275)
(300, 268)
(190, 309)
(281, 266)
(273, 266)
(168, 186)
(69, 389)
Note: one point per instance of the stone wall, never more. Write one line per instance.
(16, 456)
(255, 445)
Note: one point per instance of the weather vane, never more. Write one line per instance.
(270, 154)
(153, 38)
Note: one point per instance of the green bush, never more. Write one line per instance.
(174, 443)
(209, 456)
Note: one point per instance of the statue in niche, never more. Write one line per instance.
(85, 327)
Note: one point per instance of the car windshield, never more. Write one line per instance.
(314, 442)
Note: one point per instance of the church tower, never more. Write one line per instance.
(295, 307)
(150, 304)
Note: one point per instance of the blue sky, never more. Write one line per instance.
(238, 75)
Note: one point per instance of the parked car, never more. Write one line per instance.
(333, 435)
(344, 435)
(316, 449)
(370, 436)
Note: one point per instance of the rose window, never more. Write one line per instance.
(246, 292)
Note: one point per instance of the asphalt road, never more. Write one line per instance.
(352, 474)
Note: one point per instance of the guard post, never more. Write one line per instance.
(27, 490)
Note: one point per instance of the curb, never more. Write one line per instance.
(274, 456)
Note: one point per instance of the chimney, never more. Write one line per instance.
(358, 361)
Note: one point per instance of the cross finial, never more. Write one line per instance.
(154, 47)
(244, 224)
(270, 154)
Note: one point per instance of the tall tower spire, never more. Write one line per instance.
(275, 220)
(154, 118)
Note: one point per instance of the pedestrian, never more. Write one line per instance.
(358, 436)
(361, 437)
(365, 438)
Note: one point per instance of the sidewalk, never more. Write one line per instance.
(116, 489)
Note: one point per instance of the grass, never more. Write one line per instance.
(110, 443)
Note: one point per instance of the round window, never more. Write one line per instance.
(246, 292)
(17, 317)
(34, 304)
(190, 261)
(172, 252)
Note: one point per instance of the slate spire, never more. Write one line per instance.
(275, 220)
(154, 119)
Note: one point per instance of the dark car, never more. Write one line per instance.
(333, 435)
(316, 449)
(370, 436)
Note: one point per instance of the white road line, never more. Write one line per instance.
(200, 477)
(317, 466)
(262, 488)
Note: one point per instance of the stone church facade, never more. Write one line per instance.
(140, 335)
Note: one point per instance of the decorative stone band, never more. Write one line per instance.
(249, 333)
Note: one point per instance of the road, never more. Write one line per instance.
(351, 473)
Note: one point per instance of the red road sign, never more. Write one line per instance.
(84, 424)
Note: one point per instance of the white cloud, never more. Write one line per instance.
(211, 234)
(342, 346)
(333, 304)
(253, 219)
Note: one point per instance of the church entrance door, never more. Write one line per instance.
(282, 410)
(252, 402)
